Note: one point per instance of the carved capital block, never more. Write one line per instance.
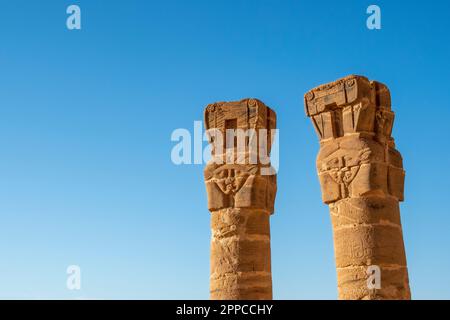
(350, 105)
(248, 115)
(239, 186)
(353, 166)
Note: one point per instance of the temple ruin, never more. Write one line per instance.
(362, 178)
(241, 196)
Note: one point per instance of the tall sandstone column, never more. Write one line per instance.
(241, 198)
(362, 178)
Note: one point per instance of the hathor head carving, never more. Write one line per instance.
(353, 119)
(241, 181)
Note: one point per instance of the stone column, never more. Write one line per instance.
(361, 176)
(241, 195)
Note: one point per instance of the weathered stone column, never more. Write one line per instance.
(241, 194)
(362, 178)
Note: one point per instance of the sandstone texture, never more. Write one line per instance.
(241, 199)
(362, 179)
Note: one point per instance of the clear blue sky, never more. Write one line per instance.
(86, 117)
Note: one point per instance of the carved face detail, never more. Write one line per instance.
(343, 166)
(231, 178)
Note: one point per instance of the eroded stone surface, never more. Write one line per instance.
(362, 180)
(241, 199)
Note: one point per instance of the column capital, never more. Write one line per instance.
(351, 105)
(231, 183)
(353, 119)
